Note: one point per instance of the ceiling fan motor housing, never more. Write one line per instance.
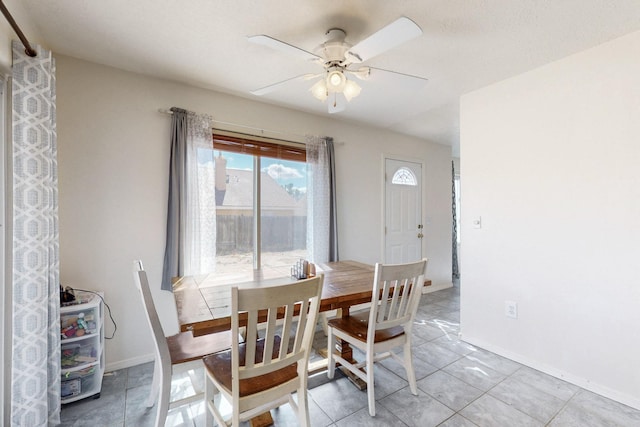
(334, 49)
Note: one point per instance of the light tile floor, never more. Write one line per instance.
(459, 385)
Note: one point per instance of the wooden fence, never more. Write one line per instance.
(279, 233)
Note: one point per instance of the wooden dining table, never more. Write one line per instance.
(203, 302)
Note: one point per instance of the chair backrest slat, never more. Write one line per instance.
(270, 332)
(251, 331)
(403, 298)
(274, 350)
(302, 323)
(286, 327)
(396, 294)
(393, 303)
(381, 302)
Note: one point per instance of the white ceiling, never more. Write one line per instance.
(465, 45)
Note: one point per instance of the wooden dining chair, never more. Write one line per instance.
(386, 325)
(264, 372)
(183, 350)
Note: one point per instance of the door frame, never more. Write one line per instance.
(423, 207)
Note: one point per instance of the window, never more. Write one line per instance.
(404, 176)
(275, 242)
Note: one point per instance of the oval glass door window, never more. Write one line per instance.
(404, 176)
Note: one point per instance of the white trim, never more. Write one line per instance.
(127, 363)
(584, 383)
(435, 288)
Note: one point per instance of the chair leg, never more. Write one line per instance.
(212, 412)
(303, 406)
(408, 366)
(155, 385)
(370, 383)
(165, 396)
(209, 395)
(331, 345)
(322, 319)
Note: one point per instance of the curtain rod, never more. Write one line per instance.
(27, 47)
(303, 137)
(164, 111)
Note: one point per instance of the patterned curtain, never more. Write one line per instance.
(191, 228)
(35, 365)
(322, 229)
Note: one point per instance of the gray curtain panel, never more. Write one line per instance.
(175, 247)
(35, 341)
(322, 237)
(333, 210)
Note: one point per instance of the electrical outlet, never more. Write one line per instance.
(511, 309)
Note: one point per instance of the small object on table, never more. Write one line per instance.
(303, 269)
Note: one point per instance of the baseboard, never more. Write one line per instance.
(584, 383)
(123, 364)
(438, 287)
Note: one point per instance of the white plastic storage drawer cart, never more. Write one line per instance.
(82, 347)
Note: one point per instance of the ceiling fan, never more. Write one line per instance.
(340, 60)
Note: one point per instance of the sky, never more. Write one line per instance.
(283, 171)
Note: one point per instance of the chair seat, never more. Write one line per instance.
(219, 365)
(356, 325)
(184, 347)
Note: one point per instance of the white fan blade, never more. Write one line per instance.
(276, 86)
(281, 46)
(399, 31)
(337, 102)
(400, 78)
(362, 73)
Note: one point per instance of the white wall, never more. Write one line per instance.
(550, 162)
(113, 159)
(7, 34)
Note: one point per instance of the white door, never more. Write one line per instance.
(403, 211)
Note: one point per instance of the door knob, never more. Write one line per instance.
(420, 235)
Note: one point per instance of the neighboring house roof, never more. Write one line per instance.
(239, 192)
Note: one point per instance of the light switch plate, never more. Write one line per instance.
(477, 222)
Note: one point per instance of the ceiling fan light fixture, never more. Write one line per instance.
(336, 80)
(319, 90)
(351, 90)
(336, 56)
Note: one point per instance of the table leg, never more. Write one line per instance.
(262, 420)
(344, 349)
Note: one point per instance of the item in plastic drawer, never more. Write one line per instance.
(70, 388)
(78, 382)
(75, 354)
(77, 325)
